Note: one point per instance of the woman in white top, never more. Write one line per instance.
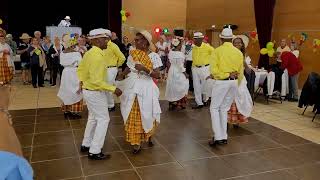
(68, 92)
(241, 109)
(177, 82)
(140, 107)
(162, 49)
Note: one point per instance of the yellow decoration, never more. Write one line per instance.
(1, 21)
(270, 45)
(124, 18)
(264, 51)
(37, 51)
(271, 53)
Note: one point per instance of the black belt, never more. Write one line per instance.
(229, 79)
(111, 66)
(203, 66)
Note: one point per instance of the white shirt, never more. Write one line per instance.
(64, 23)
(161, 48)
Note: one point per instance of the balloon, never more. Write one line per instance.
(253, 34)
(1, 21)
(270, 45)
(264, 51)
(123, 12)
(128, 14)
(124, 18)
(271, 53)
(318, 42)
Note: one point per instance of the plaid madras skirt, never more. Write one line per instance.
(74, 108)
(6, 72)
(135, 134)
(234, 117)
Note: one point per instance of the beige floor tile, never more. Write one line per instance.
(286, 125)
(312, 134)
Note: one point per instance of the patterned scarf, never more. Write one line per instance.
(142, 57)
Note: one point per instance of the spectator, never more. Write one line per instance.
(163, 49)
(37, 34)
(37, 63)
(46, 46)
(12, 44)
(127, 45)
(54, 55)
(81, 47)
(25, 58)
(290, 62)
(283, 46)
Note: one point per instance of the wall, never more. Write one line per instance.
(148, 14)
(202, 14)
(294, 17)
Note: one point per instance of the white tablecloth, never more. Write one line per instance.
(54, 31)
(260, 78)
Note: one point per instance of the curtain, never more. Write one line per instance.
(264, 10)
(114, 16)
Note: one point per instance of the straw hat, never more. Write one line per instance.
(25, 36)
(148, 37)
(244, 38)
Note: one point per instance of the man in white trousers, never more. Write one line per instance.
(115, 58)
(201, 57)
(227, 71)
(92, 74)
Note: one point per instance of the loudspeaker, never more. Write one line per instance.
(178, 32)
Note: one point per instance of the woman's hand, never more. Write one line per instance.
(140, 67)
(80, 88)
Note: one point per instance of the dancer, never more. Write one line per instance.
(140, 107)
(227, 71)
(92, 75)
(177, 82)
(72, 100)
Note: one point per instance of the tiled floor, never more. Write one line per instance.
(255, 151)
(278, 143)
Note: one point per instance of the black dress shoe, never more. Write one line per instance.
(84, 149)
(197, 107)
(205, 104)
(66, 115)
(112, 109)
(75, 116)
(41, 85)
(150, 143)
(99, 156)
(35, 86)
(213, 143)
(136, 150)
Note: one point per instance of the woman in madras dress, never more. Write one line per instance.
(6, 60)
(241, 108)
(177, 82)
(68, 93)
(140, 107)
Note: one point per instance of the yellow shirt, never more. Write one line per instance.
(113, 55)
(226, 59)
(202, 55)
(92, 71)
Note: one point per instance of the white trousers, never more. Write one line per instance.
(111, 79)
(98, 120)
(223, 94)
(199, 76)
(271, 77)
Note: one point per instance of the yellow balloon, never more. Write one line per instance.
(264, 51)
(1, 21)
(318, 42)
(124, 18)
(270, 45)
(271, 53)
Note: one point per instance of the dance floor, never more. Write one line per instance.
(256, 151)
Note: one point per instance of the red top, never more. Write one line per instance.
(291, 63)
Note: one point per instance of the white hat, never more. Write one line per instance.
(226, 34)
(99, 33)
(67, 18)
(148, 36)
(198, 35)
(244, 38)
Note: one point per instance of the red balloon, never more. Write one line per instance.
(253, 34)
(128, 14)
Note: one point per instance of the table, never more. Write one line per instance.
(55, 31)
